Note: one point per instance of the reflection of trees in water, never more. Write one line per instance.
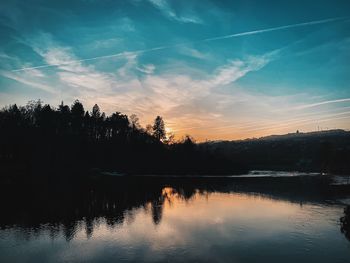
(64, 212)
(89, 226)
(157, 210)
(345, 222)
(63, 209)
(69, 229)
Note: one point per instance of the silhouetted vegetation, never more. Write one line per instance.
(38, 139)
(345, 222)
(325, 151)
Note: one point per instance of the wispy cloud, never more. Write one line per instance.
(147, 69)
(172, 94)
(189, 104)
(191, 52)
(238, 68)
(165, 8)
(141, 51)
(30, 79)
(76, 75)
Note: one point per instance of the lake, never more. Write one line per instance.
(150, 219)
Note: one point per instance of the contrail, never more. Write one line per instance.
(247, 33)
(321, 103)
(94, 58)
(276, 28)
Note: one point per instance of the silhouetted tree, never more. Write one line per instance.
(159, 129)
(95, 122)
(77, 112)
(46, 118)
(32, 110)
(118, 125)
(77, 109)
(134, 121)
(95, 113)
(63, 117)
(188, 142)
(149, 129)
(170, 139)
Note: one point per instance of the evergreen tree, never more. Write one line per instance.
(159, 129)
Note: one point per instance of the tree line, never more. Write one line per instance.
(55, 142)
(42, 139)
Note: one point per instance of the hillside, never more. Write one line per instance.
(325, 151)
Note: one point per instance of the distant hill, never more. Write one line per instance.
(302, 135)
(326, 151)
(299, 135)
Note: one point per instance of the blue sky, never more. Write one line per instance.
(212, 69)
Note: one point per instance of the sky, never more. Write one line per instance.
(212, 69)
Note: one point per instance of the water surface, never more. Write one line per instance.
(177, 221)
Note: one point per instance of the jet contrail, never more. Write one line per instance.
(95, 58)
(321, 103)
(276, 28)
(254, 32)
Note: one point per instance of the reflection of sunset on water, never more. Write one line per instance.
(193, 222)
(208, 219)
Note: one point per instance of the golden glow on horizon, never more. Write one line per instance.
(260, 128)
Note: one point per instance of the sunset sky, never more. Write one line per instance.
(212, 69)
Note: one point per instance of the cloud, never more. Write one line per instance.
(61, 57)
(105, 43)
(177, 97)
(129, 66)
(191, 52)
(165, 8)
(264, 124)
(237, 68)
(192, 102)
(209, 104)
(29, 79)
(77, 75)
(5, 56)
(147, 69)
(141, 51)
